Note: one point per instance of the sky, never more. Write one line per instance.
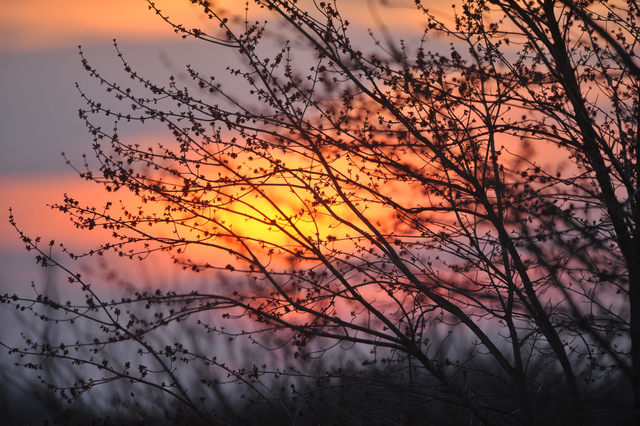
(39, 69)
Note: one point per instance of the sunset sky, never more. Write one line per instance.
(39, 66)
(411, 239)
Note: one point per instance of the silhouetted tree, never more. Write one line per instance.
(466, 220)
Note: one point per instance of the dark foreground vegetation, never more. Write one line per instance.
(441, 230)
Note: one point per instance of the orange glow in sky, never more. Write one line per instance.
(32, 27)
(47, 24)
(40, 25)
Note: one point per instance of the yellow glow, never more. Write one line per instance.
(272, 225)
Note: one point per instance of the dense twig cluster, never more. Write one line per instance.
(486, 196)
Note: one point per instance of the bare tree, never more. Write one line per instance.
(469, 217)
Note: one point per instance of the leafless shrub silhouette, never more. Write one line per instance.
(464, 221)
